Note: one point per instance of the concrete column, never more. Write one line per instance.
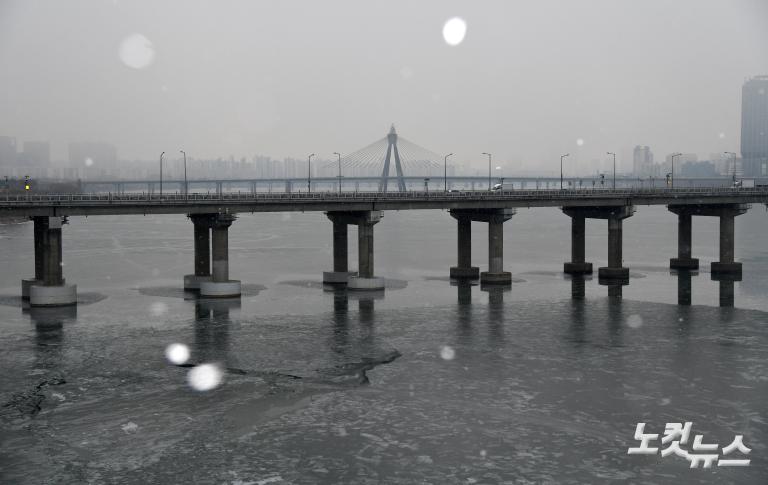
(726, 265)
(577, 265)
(220, 285)
(365, 250)
(614, 270)
(496, 273)
(50, 289)
(464, 268)
(39, 230)
(726, 238)
(52, 256)
(340, 274)
(202, 249)
(220, 244)
(340, 257)
(684, 238)
(614, 242)
(495, 245)
(365, 279)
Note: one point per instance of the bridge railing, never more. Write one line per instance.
(564, 194)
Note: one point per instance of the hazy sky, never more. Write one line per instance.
(287, 78)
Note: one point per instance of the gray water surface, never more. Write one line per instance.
(428, 381)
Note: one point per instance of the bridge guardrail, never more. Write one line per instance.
(180, 198)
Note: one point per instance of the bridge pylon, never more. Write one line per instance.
(392, 149)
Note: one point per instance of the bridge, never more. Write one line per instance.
(212, 215)
(372, 169)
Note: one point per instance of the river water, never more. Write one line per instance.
(427, 382)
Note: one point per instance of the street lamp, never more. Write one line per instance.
(445, 172)
(161, 175)
(561, 169)
(309, 172)
(186, 186)
(673, 168)
(614, 168)
(339, 155)
(489, 170)
(734, 164)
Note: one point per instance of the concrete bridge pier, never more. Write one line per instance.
(496, 273)
(51, 289)
(615, 270)
(40, 225)
(495, 219)
(340, 274)
(365, 279)
(726, 265)
(220, 286)
(684, 238)
(577, 265)
(202, 243)
(464, 268)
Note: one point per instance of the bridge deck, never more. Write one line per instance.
(106, 204)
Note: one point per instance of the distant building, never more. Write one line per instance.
(754, 126)
(680, 160)
(642, 161)
(8, 154)
(90, 154)
(698, 169)
(36, 153)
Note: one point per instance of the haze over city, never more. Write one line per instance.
(527, 81)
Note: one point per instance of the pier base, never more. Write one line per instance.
(470, 272)
(220, 289)
(684, 263)
(366, 284)
(337, 277)
(60, 295)
(26, 284)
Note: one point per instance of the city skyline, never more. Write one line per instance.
(598, 80)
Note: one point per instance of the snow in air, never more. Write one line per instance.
(136, 51)
(177, 354)
(454, 31)
(635, 321)
(205, 377)
(447, 352)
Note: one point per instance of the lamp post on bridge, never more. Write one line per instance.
(186, 186)
(561, 169)
(161, 175)
(339, 155)
(614, 168)
(489, 170)
(309, 172)
(734, 164)
(445, 172)
(672, 180)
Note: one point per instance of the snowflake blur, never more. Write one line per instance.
(205, 377)
(137, 52)
(454, 31)
(447, 353)
(177, 354)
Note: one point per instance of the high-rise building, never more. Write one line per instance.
(8, 155)
(754, 126)
(36, 153)
(642, 160)
(680, 159)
